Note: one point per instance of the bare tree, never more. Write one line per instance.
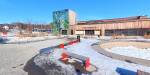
(20, 26)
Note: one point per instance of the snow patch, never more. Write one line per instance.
(131, 51)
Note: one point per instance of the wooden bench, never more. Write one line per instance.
(66, 56)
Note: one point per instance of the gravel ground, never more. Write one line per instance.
(14, 56)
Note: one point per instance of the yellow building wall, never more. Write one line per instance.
(80, 32)
(97, 32)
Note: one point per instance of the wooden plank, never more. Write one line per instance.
(80, 57)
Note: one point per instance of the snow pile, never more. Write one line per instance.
(105, 65)
(11, 37)
(51, 65)
(131, 51)
(28, 39)
(105, 37)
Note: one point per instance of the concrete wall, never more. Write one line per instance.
(72, 17)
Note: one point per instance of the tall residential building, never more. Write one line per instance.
(62, 20)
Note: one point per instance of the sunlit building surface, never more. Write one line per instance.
(62, 19)
(129, 26)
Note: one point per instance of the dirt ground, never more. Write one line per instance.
(125, 44)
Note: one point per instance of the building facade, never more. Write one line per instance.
(129, 26)
(62, 19)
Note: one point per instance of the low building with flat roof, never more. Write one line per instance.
(129, 26)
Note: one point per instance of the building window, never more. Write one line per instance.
(89, 32)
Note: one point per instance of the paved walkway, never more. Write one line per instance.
(120, 57)
(106, 65)
(14, 56)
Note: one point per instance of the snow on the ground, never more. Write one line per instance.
(106, 37)
(106, 65)
(131, 51)
(13, 39)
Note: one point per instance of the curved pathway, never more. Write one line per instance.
(13, 57)
(106, 65)
(121, 57)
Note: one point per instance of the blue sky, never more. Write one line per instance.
(40, 11)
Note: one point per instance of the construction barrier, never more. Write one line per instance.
(61, 46)
(70, 43)
(64, 56)
(69, 58)
(87, 63)
(85, 60)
